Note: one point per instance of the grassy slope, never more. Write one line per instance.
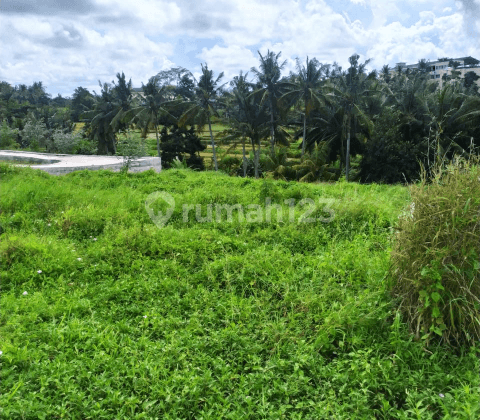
(207, 321)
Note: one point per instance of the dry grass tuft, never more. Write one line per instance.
(435, 269)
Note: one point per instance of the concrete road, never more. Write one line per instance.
(61, 164)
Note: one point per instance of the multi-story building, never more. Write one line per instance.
(441, 69)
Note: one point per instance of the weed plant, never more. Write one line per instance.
(105, 316)
(436, 258)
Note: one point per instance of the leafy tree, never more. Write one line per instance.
(269, 81)
(21, 93)
(409, 96)
(34, 134)
(65, 142)
(469, 81)
(37, 95)
(6, 95)
(314, 166)
(186, 87)
(60, 101)
(423, 65)
(240, 93)
(82, 101)
(454, 73)
(179, 142)
(8, 136)
(204, 105)
(172, 76)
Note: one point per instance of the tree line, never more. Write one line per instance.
(387, 124)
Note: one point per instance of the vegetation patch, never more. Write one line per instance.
(436, 258)
(104, 315)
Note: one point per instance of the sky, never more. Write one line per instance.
(66, 44)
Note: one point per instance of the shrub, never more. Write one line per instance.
(86, 147)
(65, 142)
(130, 147)
(178, 142)
(250, 168)
(34, 134)
(435, 269)
(230, 164)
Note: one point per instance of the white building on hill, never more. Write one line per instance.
(442, 68)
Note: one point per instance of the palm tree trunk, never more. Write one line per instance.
(259, 150)
(255, 160)
(244, 158)
(347, 155)
(272, 129)
(158, 140)
(343, 138)
(213, 144)
(304, 131)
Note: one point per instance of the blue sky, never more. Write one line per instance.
(70, 44)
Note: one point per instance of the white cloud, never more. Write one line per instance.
(34, 51)
(229, 59)
(67, 45)
(431, 37)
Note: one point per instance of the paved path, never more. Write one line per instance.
(62, 164)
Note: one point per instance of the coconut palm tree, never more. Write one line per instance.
(153, 106)
(385, 74)
(306, 88)
(99, 127)
(248, 118)
(122, 92)
(270, 87)
(349, 90)
(204, 104)
(111, 113)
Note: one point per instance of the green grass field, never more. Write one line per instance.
(223, 148)
(106, 316)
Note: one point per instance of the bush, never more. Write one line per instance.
(130, 147)
(180, 142)
(65, 142)
(230, 164)
(435, 269)
(34, 134)
(250, 168)
(86, 147)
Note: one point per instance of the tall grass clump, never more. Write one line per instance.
(435, 269)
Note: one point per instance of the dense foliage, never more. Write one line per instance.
(182, 144)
